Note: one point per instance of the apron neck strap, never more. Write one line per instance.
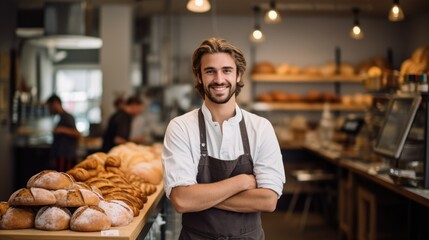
(203, 139)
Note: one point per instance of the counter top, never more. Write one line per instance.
(129, 232)
(369, 170)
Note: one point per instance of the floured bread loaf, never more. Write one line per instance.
(32, 197)
(89, 219)
(52, 218)
(119, 212)
(51, 180)
(16, 217)
(76, 197)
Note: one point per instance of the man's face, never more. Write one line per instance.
(219, 77)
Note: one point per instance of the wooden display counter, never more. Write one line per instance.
(129, 232)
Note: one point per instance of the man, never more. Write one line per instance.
(222, 164)
(119, 125)
(64, 146)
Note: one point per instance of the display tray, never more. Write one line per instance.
(126, 232)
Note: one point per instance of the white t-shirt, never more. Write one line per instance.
(181, 149)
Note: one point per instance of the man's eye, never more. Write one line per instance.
(209, 71)
(227, 70)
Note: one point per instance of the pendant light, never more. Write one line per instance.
(396, 14)
(272, 16)
(198, 6)
(356, 32)
(257, 36)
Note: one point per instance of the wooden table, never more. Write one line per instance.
(129, 232)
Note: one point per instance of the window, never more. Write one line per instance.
(80, 90)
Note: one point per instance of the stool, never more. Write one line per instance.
(308, 180)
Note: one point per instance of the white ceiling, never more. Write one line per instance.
(377, 8)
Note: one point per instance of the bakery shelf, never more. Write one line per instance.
(277, 106)
(305, 78)
(132, 231)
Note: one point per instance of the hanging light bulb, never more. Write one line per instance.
(356, 32)
(198, 6)
(396, 14)
(257, 36)
(272, 16)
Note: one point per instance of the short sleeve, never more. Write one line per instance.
(179, 167)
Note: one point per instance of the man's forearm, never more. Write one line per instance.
(199, 197)
(253, 200)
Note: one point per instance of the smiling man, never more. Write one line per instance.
(222, 164)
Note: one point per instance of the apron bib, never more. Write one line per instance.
(215, 223)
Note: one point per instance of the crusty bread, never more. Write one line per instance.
(119, 212)
(88, 163)
(113, 161)
(75, 197)
(16, 217)
(32, 197)
(50, 180)
(89, 219)
(52, 218)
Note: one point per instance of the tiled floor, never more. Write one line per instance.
(278, 227)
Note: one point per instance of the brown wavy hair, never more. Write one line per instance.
(217, 45)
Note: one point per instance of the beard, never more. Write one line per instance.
(219, 99)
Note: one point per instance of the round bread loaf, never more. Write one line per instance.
(89, 219)
(51, 180)
(119, 212)
(76, 197)
(52, 218)
(32, 197)
(15, 217)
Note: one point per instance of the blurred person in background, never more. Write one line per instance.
(118, 129)
(64, 147)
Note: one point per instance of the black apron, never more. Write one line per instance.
(215, 223)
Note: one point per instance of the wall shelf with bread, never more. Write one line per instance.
(306, 78)
(293, 88)
(275, 106)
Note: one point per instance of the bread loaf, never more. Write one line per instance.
(32, 197)
(76, 198)
(89, 219)
(112, 161)
(50, 180)
(119, 212)
(52, 218)
(15, 217)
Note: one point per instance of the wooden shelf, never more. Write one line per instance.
(278, 106)
(305, 78)
(129, 232)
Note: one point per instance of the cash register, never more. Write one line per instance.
(402, 140)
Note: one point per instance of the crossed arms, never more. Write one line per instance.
(238, 194)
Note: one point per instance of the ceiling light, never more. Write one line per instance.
(356, 31)
(198, 6)
(272, 15)
(396, 14)
(257, 36)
